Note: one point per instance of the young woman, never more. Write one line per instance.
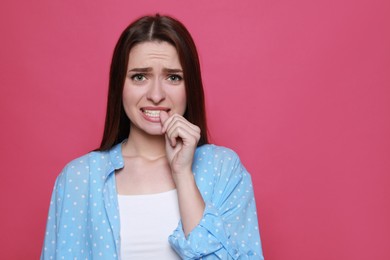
(155, 189)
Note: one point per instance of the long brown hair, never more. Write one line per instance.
(153, 28)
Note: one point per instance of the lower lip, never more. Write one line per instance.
(154, 119)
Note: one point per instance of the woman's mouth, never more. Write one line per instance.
(153, 114)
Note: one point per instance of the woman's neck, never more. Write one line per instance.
(141, 144)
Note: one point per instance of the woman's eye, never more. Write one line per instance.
(138, 77)
(175, 78)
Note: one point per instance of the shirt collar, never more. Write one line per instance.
(116, 158)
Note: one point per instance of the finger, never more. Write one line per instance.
(183, 132)
(169, 141)
(177, 120)
(187, 135)
(163, 118)
(167, 120)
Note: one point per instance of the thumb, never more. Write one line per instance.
(163, 117)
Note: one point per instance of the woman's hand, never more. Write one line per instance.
(181, 139)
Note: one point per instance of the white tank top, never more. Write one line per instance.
(146, 222)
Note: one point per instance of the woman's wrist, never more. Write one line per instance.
(191, 203)
(183, 179)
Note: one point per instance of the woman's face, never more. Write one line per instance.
(154, 83)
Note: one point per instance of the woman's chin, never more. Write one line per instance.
(153, 131)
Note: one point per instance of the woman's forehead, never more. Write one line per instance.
(154, 53)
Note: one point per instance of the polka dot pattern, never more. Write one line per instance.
(83, 221)
(228, 229)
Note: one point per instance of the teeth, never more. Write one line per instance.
(152, 113)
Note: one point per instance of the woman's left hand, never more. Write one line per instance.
(181, 139)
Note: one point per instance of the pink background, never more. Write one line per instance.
(300, 89)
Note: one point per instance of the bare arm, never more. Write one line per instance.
(181, 140)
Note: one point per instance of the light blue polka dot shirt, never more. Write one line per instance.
(83, 221)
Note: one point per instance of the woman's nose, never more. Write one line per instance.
(156, 92)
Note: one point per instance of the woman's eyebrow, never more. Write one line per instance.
(141, 70)
(167, 70)
(148, 69)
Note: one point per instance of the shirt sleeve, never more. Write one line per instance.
(50, 241)
(229, 227)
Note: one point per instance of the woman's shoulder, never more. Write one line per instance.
(88, 158)
(217, 152)
(218, 165)
(96, 162)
